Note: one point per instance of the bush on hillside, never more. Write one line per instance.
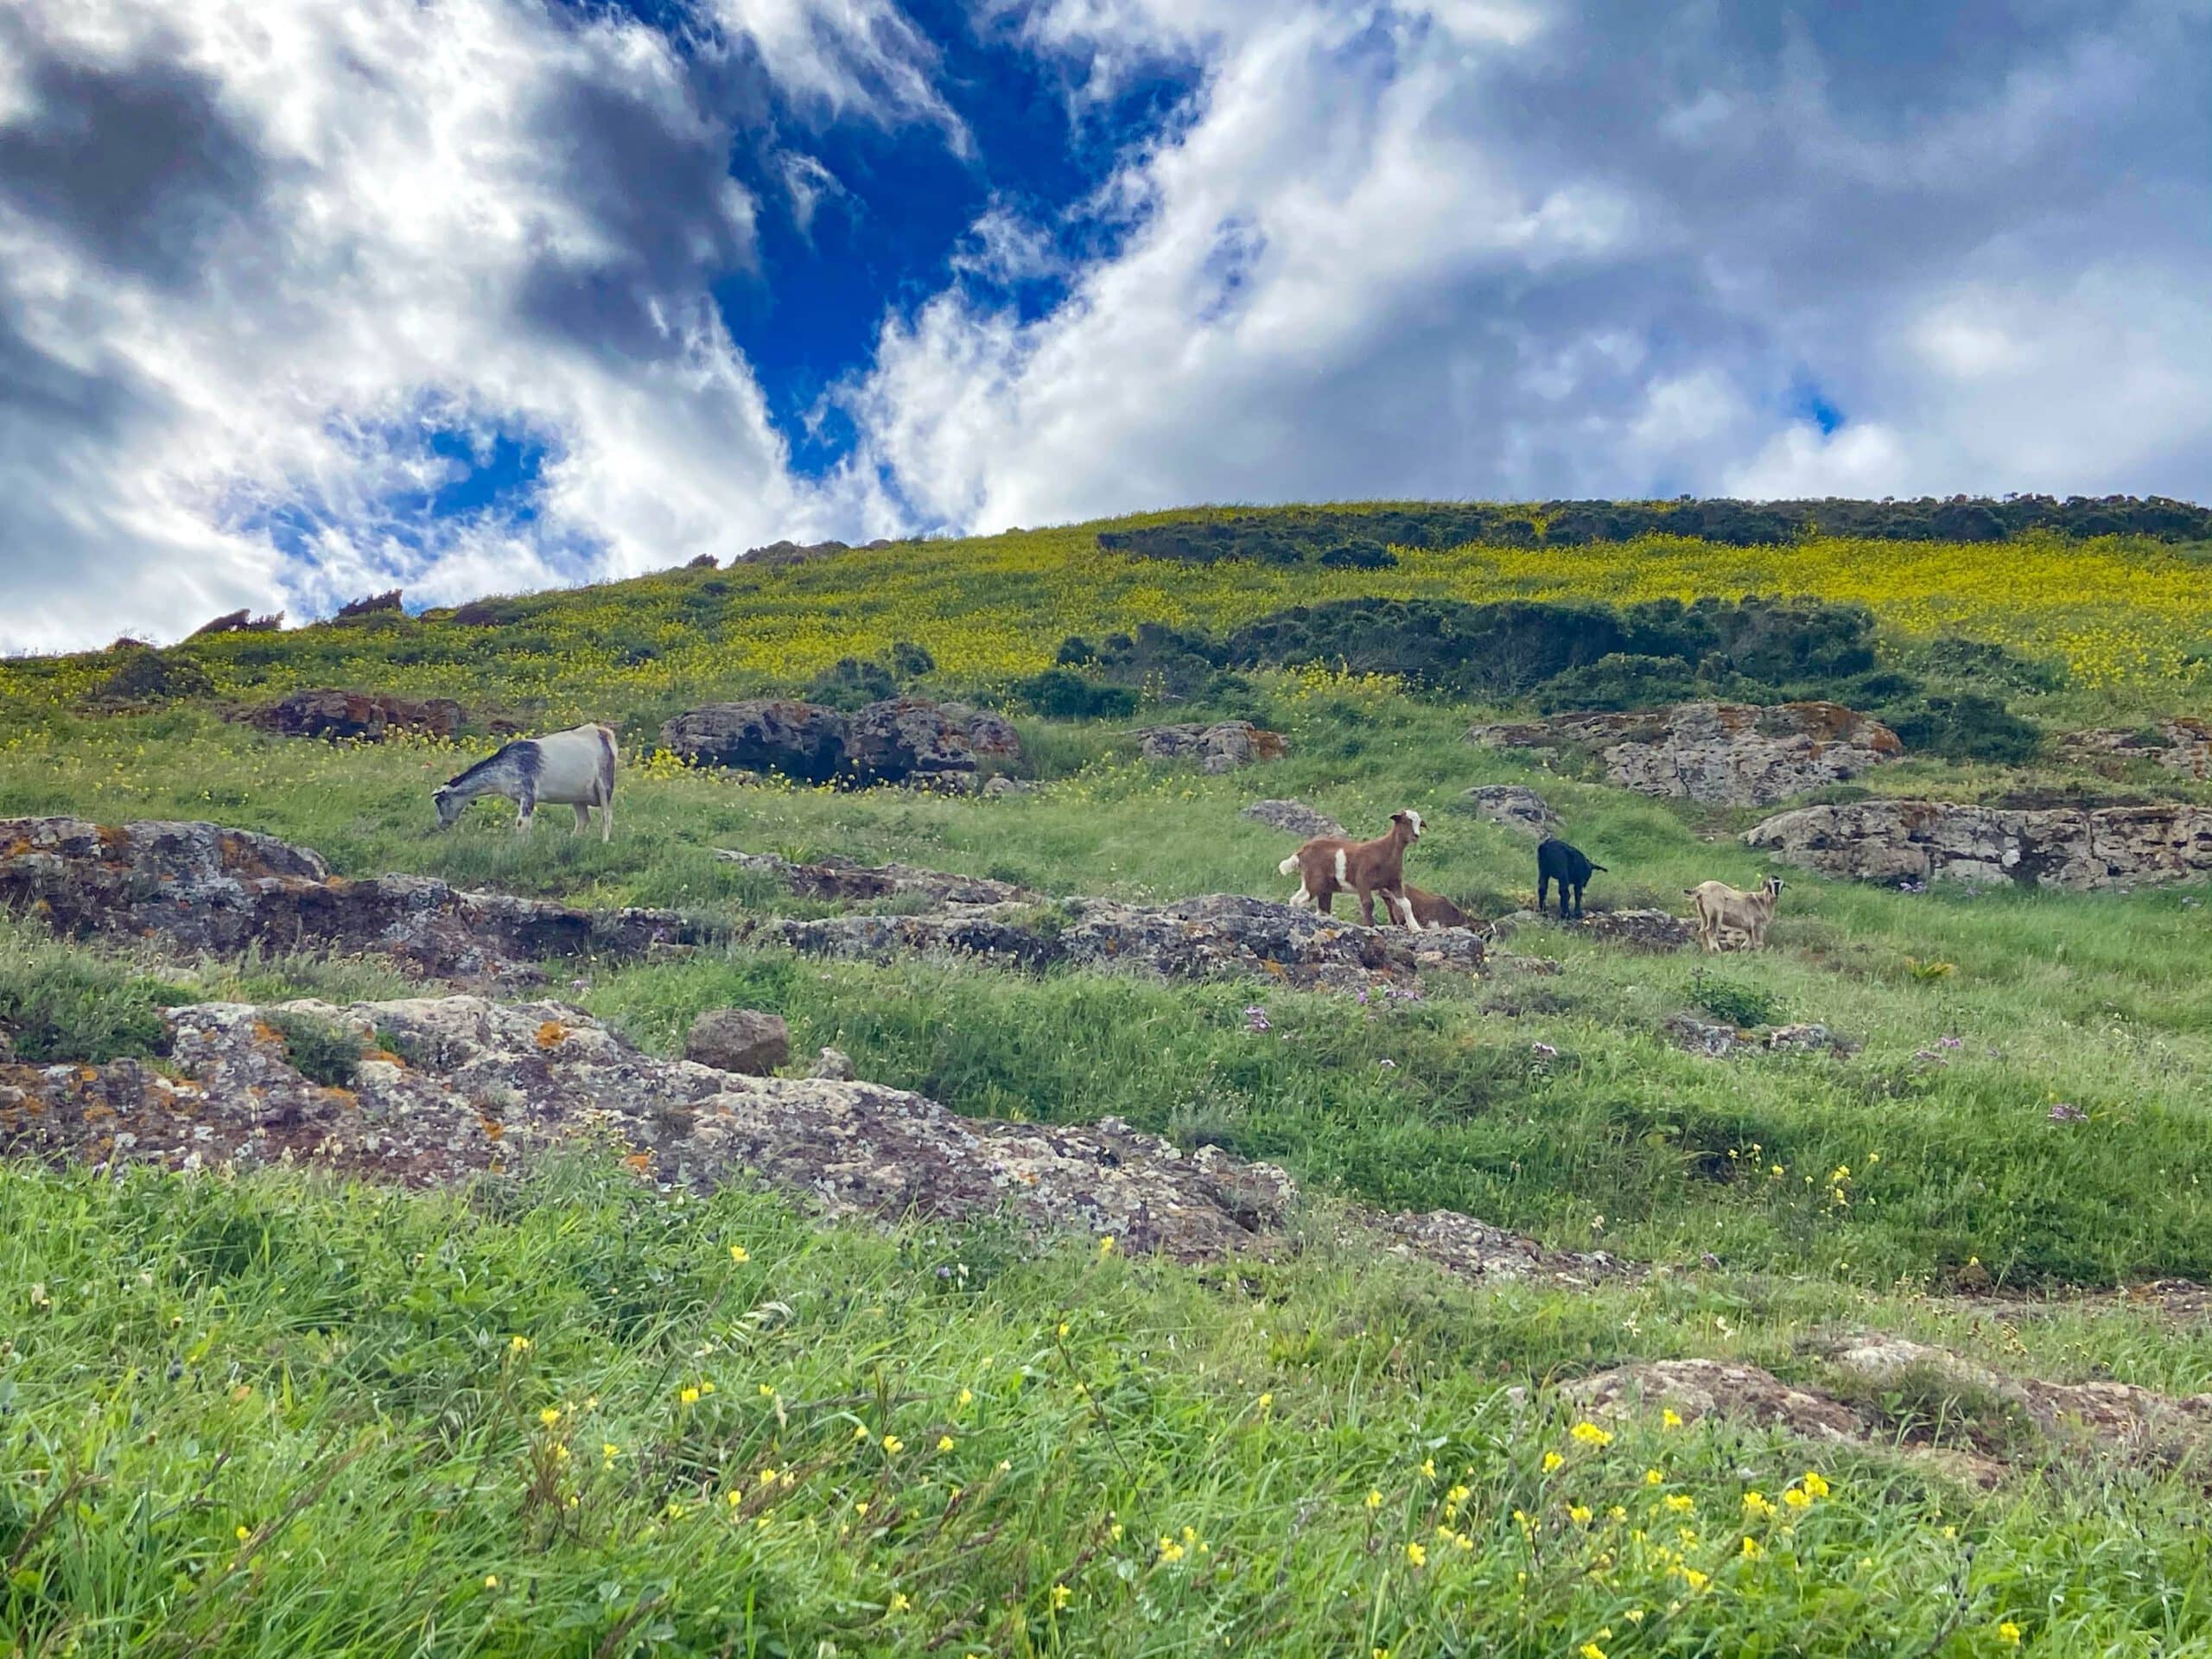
(853, 683)
(155, 677)
(1620, 681)
(1056, 694)
(1961, 726)
(910, 661)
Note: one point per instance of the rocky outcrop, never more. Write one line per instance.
(901, 740)
(468, 1085)
(1723, 753)
(1292, 818)
(1712, 1388)
(1513, 806)
(797, 739)
(1223, 747)
(840, 880)
(1719, 1041)
(1192, 938)
(744, 1040)
(2182, 746)
(1624, 930)
(200, 886)
(355, 716)
(1914, 841)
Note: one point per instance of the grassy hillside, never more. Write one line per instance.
(273, 1415)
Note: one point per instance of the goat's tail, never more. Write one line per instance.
(1601, 867)
(1288, 867)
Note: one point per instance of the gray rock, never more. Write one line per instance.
(2183, 746)
(201, 887)
(1216, 934)
(908, 738)
(743, 1041)
(1002, 785)
(1811, 1038)
(899, 740)
(797, 739)
(1916, 841)
(1292, 818)
(1730, 753)
(1513, 806)
(355, 716)
(1628, 929)
(1715, 1042)
(490, 1086)
(1220, 747)
(842, 880)
(834, 1065)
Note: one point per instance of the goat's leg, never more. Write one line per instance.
(526, 809)
(1301, 897)
(607, 819)
(1324, 898)
(1366, 906)
(1543, 886)
(583, 818)
(1578, 902)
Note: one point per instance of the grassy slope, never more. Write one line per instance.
(202, 1352)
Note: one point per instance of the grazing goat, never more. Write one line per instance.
(571, 768)
(1723, 911)
(1557, 861)
(1419, 908)
(1328, 865)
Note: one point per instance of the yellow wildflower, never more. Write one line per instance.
(1061, 1595)
(491, 1581)
(1757, 1504)
(860, 1431)
(1428, 1467)
(1458, 1496)
(1374, 1498)
(1106, 1245)
(893, 1445)
(1814, 1485)
(1680, 1503)
(244, 1533)
(737, 1254)
(1753, 1550)
(1797, 1499)
(1578, 1514)
(550, 1417)
(1417, 1553)
(1670, 1418)
(688, 1397)
(1590, 1434)
(1653, 1478)
(1590, 1650)
(966, 1398)
(1695, 1579)
(2009, 1633)
(1552, 1461)
(945, 1442)
(898, 1602)
(1267, 1403)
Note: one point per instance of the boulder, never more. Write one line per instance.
(743, 1041)
(840, 880)
(1626, 930)
(1513, 806)
(905, 739)
(1715, 1042)
(1223, 747)
(790, 552)
(485, 1085)
(797, 739)
(1002, 785)
(1903, 842)
(201, 887)
(834, 1065)
(1292, 818)
(2183, 746)
(1192, 938)
(355, 717)
(1723, 753)
(900, 740)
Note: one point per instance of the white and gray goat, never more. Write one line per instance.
(571, 768)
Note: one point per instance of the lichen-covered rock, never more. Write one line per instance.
(840, 880)
(2183, 746)
(203, 887)
(1222, 746)
(899, 741)
(1915, 841)
(1626, 930)
(1292, 818)
(473, 1085)
(1215, 934)
(797, 739)
(743, 1041)
(834, 1065)
(1712, 1388)
(355, 717)
(1513, 806)
(905, 739)
(1715, 1041)
(1729, 754)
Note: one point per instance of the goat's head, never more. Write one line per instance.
(450, 803)
(1774, 887)
(1406, 823)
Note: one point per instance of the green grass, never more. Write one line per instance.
(275, 1417)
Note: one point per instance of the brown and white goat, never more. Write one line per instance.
(1419, 908)
(1329, 865)
(1726, 914)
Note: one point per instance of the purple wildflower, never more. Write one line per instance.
(1255, 1018)
(1951, 1042)
(2066, 1111)
(1543, 1050)
(1363, 996)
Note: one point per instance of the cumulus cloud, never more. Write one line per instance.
(1472, 248)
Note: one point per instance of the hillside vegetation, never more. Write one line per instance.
(560, 1413)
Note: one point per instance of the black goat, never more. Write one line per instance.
(1557, 861)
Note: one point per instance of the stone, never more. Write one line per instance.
(355, 717)
(1723, 753)
(471, 1086)
(1002, 785)
(2182, 745)
(1192, 938)
(1808, 1038)
(743, 1041)
(1513, 806)
(899, 740)
(1715, 1042)
(1223, 747)
(840, 880)
(201, 887)
(790, 552)
(1909, 841)
(797, 739)
(1628, 929)
(1712, 1388)
(905, 738)
(1292, 818)
(834, 1065)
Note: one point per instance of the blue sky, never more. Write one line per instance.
(302, 301)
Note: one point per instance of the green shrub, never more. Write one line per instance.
(321, 1051)
(58, 1004)
(910, 661)
(1962, 726)
(852, 683)
(1056, 694)
(1733, 1000)
(1619, 681)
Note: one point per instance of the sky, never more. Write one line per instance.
(302, 300)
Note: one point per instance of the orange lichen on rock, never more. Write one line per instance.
(551, 1034)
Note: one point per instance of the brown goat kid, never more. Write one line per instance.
(1329, 865)
(1420, 908)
